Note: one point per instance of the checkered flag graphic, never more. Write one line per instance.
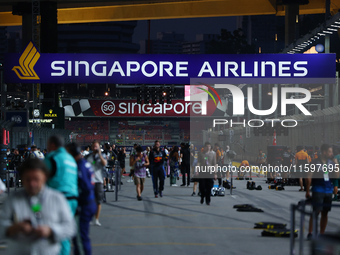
(77, 108)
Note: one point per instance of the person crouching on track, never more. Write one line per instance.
(139, 161)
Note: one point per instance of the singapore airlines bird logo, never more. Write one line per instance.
(27, 62)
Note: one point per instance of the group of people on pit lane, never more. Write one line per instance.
(160, 163)
(65, 184)
(320, 178)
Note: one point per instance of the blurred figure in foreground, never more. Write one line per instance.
(63, 177)
(37, 218)
(87, 206)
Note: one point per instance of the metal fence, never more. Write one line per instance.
(21, 135)
(143, 138)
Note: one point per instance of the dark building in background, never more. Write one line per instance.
(10, 42)
(201, 45)
(173, 43)
(165, 43)
(266, 33)
(105, 37)
(3, 43)
(14, 43)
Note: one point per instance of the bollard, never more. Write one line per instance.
(15, 178)
(116, 180)
(292, 228)
(315, 225)
(302, 220)
(7, 181)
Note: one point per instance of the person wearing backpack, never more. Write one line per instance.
(35, 153)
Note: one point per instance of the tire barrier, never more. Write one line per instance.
(270, 225)
(278, 233)
(251, 185)
(247, 208)
(276, 187)
(241, 206)
(240, 178)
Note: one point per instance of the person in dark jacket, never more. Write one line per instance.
(185, 164)
(87, 206)
(157, 158)
(206, 160)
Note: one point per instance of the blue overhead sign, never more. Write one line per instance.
(34, 67)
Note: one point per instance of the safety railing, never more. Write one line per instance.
(301, 207)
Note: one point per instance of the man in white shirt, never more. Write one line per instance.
(37, 218)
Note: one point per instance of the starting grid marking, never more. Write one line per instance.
(153, 244)
(187, 227)
(152, 213)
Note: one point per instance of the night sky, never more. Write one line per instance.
(188, 27)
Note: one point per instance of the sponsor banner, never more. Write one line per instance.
(20, 118)
(130, 108)
(48, 115)
(34, 67)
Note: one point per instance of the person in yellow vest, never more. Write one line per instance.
(316, 152)
(243, 168)
(301, 158)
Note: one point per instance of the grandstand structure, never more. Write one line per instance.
(87, 121)
(124, 132)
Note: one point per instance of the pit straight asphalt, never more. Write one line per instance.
(178, 224)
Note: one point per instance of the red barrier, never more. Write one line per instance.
(4, 137)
